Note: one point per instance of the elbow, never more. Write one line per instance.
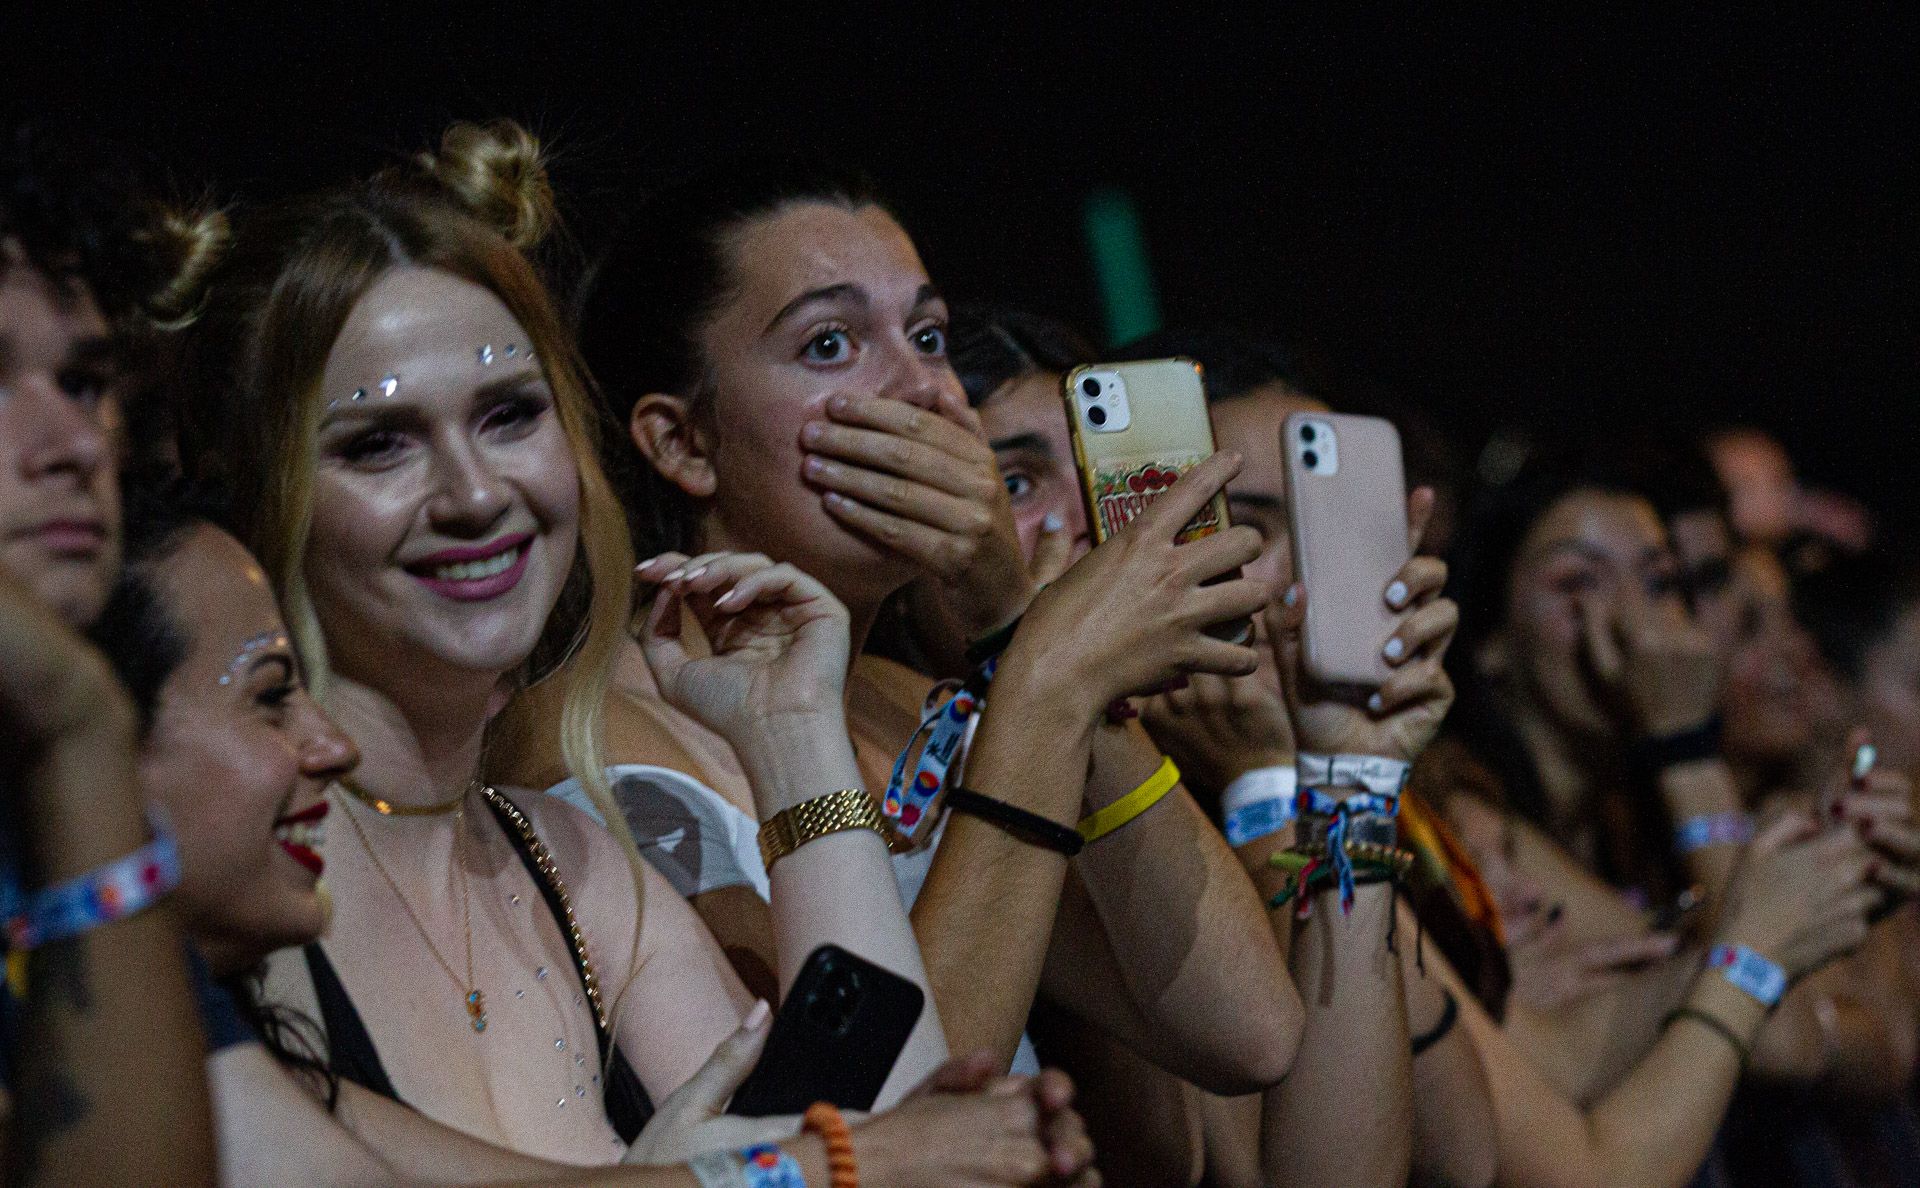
(1253, 1053)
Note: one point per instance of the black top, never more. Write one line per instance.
(351, 1053)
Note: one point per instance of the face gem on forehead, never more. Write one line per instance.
(389, 385)
(265, 639)
(486, 354)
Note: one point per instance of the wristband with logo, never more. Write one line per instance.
(765, 1165)
(1376, 773)
(1712, 829)
(119, 889)
(1749, 972)
(1257, 803)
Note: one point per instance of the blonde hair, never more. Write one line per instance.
(250, 404)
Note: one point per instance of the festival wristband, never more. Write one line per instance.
(1712, 829)
(1749, 972)
(103, 895)
(766, 1166)
(717, 1169)
(1258, 803)
(1376, 773)
(1097, 825)
(1031, 828)
(1655, 755)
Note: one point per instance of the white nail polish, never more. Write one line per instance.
(1291, 596)
(1053, 522)
(1376, 703)
(1396, 593)
(1394, 648)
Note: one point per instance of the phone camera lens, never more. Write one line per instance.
(1096, 414)
(1091, 387)
(1311, 459)
(1307, 433)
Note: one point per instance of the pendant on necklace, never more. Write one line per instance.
(477, 1008)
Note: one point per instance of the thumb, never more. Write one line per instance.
(1052, 552)
(707, 1091)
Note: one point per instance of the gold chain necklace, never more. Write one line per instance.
(476, 1000)
(388, 808)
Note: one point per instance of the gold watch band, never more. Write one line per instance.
(791, 828)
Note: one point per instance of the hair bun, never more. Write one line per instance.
(187, 245)
(496, 171)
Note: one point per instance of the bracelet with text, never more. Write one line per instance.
(1749, 972)
(1097, 825)
(1712, 829)
(1375, 773)
(943, 728)
(765, 1165)
(107, 893)
(1258, 803)
(1029, 827)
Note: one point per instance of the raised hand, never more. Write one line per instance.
(777, 641)
(1403, 715)
(1801, 896)
(1654, 664)
(925, 484)
(1218, 728)
(1132, 614)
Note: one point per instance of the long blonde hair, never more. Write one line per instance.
(250, 404)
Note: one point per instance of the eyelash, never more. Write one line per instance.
(515, 411)
(930, 339)
(276, 697)
(821, 333)
(86, 384)
(932, 328)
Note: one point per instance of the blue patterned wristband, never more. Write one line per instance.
(1749, 972)
(1712, 829)
(102, 895)
(767, 1166)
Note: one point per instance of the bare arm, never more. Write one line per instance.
(109, 1081)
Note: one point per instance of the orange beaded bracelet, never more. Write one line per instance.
(824, 1119)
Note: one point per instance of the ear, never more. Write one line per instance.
(663, 430)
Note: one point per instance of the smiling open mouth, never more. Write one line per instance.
(303, 834)
(475, 574)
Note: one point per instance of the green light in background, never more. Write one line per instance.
(1120, 265)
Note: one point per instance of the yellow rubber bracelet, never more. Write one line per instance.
(1161, 782)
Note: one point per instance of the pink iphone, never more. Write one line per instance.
(1347, 503)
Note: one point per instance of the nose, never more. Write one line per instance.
(326, 753)
(469, 496)
(65, 436)
(918, 378)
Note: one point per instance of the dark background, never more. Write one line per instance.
(1596, 227)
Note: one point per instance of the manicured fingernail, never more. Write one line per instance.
(812, 432)
(758, 1015)
(1376, 703)
(836, 499)
(729, 596)
(675, 575)
(1394, 649)
(1396, 594)
(1292, 596)
(814, 466)
(837, 403)
(1053, 523)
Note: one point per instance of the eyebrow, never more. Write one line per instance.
(846, 291)
(1021, 441)
(392, 410)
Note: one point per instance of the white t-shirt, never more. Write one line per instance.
(701, 841)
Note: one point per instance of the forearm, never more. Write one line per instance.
(1585, 1047)
(985, 914)
(838, 889)
(1352, 1074)
(1704, 788)
(1455, 1143)
(1189, 936)
(1825, 1034)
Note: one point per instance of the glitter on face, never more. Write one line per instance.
(251, 648)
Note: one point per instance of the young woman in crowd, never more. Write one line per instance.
(239, 756)
(436, 523)
(100, 1061)
(775, 351)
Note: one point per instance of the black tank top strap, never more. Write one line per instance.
(627, 1104)
(350, 1051)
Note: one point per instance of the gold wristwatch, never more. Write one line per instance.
(791, 828)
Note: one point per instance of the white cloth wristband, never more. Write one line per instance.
(1257, 803)
(1375, 773)
(1750, 972)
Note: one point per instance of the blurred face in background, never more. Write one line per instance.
(1887, 699)
(1593, 551)
(1026, 423)
(59, 425)
(1778, 694)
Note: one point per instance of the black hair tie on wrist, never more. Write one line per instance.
(1654, 755)
(1438, 1031)
(1031, 828)
(992, 643)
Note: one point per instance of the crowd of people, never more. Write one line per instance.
(449, 694)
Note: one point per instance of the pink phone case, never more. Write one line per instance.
(1347, 503)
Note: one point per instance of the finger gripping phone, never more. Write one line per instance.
(1347, 507)
(842, 1026)
(1136, 428)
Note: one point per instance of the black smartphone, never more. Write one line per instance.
(835, 1039)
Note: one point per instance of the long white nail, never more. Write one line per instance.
(757, 1015)
(1291, 596)
(1394, 648)
(1396, 594)
(1376, 703)
(1053, 522)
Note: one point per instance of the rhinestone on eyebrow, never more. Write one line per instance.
(249, 648)
(389, 385)
(512, 350)
(486, 354)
